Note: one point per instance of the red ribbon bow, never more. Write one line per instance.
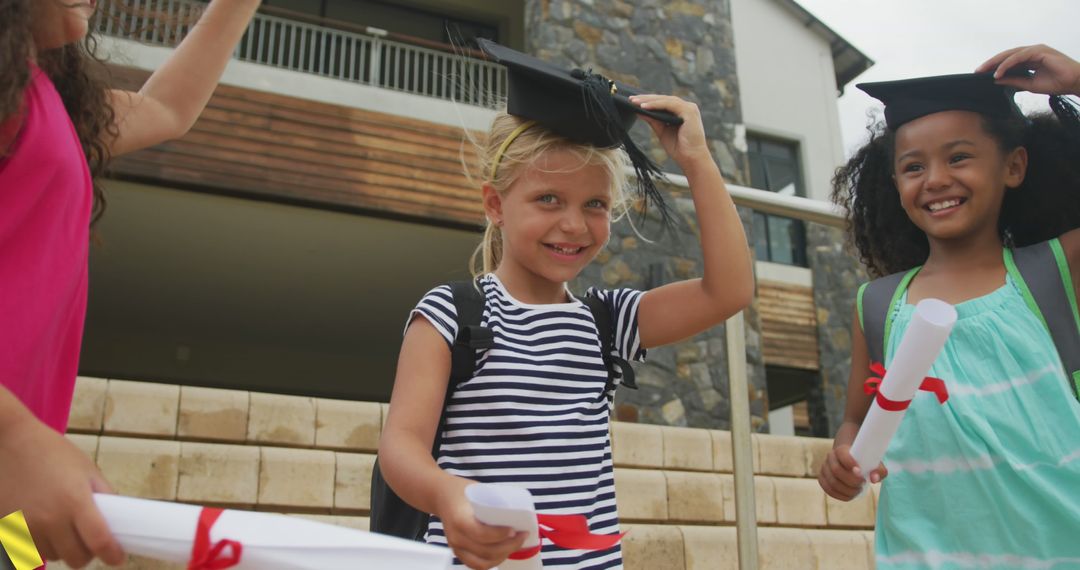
(872, 386)
(205, 556)
(568, 531)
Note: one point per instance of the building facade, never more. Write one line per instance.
(279, 246)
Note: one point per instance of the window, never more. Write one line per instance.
(774, 166)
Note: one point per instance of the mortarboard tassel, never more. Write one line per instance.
(1067, 113)
(600, 106)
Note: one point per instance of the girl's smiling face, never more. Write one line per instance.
(952, 175)
(554, 218)
(57, 23)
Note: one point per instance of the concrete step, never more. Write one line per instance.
(164, 411)
(313, 457)
(337, 482)
(684, 547)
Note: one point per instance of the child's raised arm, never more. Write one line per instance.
(840, 476)
(173, 97)
(405, 451)
(679, 310)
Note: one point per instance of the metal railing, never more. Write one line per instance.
(363, 56)
(735, 331)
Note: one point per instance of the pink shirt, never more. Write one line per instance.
(46, 195)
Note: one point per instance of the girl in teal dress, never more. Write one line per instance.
(955, 180)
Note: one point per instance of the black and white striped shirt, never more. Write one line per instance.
(535, 413)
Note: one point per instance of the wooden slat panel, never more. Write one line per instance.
(801, 413)
(158, 164)
(324, 140)
(788, 325)
(263, 144)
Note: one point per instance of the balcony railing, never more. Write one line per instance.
(357, 54)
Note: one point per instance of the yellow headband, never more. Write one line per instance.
(506, 144)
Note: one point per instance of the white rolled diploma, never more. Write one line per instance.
(507, 505)
(930, 326)
(166, 531)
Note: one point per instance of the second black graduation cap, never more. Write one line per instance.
(581, 106)
(909, 99)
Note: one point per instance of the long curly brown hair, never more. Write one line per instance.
(1044, 206)
(80, 76)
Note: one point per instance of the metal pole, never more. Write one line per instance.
(741, 447)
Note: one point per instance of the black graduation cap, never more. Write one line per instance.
(580, 105)
(908, 99)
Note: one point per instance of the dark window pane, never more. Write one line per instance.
(757, 171)
(783, 176)
(777, 149)
(774, 166)
(780, 242)
(760, 238)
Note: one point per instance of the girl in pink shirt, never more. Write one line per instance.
(59, 125)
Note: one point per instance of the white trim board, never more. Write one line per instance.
(786, 274)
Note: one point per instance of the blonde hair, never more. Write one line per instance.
(502, 169)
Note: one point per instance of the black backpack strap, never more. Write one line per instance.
(875, 301)
(471, 337)
(617, 366)
(389, 513)
(1042, 274)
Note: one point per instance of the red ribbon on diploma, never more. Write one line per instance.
(205, 556)
(872, 386)
(568, 531)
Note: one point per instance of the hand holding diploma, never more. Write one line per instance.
(207, 539)
(930, 326)
(509, 506)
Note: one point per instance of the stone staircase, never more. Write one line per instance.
(313, 457)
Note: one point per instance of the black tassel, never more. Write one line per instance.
(600, 107)
(1067, 114)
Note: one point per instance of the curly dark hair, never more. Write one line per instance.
(80, 76)
(1044, 206)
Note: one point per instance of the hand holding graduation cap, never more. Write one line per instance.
(1055, 72)
(685, 143)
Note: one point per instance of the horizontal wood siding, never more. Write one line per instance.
(788, 325)
(272, 146)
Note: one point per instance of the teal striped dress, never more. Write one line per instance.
(990, 479)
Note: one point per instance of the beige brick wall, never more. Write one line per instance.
(313, 457)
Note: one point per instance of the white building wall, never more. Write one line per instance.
(788, 87)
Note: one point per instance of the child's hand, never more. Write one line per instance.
(477, 545)
(51, 481)
(841, 477)
(1055, 72)
(685, 143)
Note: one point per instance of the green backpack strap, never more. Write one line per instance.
(1041, 271)
(874, 303)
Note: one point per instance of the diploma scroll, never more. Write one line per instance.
(166, 531)
(930, 326)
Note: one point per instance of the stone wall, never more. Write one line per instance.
(837, 276)
(683, 48)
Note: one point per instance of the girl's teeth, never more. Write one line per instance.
(942, 205)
